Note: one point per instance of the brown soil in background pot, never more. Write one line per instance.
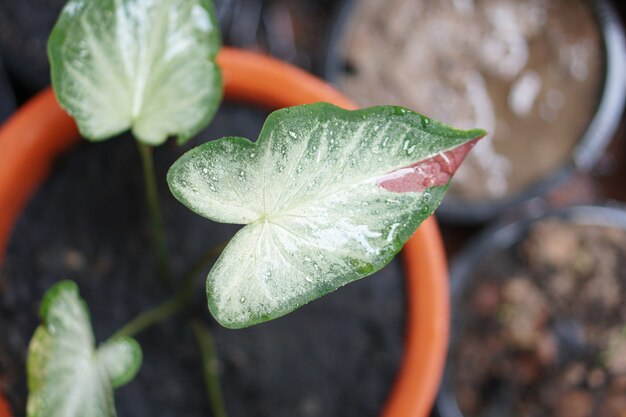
(544, 331)
(527, 71)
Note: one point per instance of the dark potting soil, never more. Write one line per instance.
(7, 100)
(543, 331)
(24, 29)
(337, 356)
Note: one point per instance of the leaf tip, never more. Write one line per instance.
(64, 286)
(435, 171)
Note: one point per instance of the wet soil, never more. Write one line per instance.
(528, 72)
(335, 357)
(543, 329)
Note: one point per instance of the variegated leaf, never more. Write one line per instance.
(67, 375)
(145, 65)
(328, 196)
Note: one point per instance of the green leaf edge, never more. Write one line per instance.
(33, 363)
(432, 126)
(218, 79)
(173, 170)
(136, 363)
(52, 293)
(57, 38)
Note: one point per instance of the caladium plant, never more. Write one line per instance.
(67, 375)
(326, 195)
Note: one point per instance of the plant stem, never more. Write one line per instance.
(155, 315)
(169, 308)
(158, 231)
(210, 367)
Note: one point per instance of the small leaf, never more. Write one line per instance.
(328, 195)
(145, 65)
(67, 376)
(121, 358)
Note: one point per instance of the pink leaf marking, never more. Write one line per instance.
(431, 172)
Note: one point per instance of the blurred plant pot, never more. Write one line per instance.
(525, 98)
(40, 131)
(4, 408)
(537, 322)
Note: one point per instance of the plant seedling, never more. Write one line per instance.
(327, 196)
(67, 375)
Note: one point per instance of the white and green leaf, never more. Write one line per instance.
(145, 65)
(328, 196)
(67, 375)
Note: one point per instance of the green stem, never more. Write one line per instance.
(155, 315)
(169, 308)
(158, 231)
(210, 367)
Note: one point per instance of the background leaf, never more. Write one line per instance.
(121, 358)
(148, 65)
(67, 377)
(328, 195)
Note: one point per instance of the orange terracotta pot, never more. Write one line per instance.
(40, 130)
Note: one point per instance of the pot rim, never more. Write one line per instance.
(496, 238)
(585, 154)
(40, 130)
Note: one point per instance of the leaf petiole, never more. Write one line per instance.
(174, 305)
(158, 230)
(155, 315)
(206, 345)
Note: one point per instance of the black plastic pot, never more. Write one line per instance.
(495, 240)
(583, 157)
